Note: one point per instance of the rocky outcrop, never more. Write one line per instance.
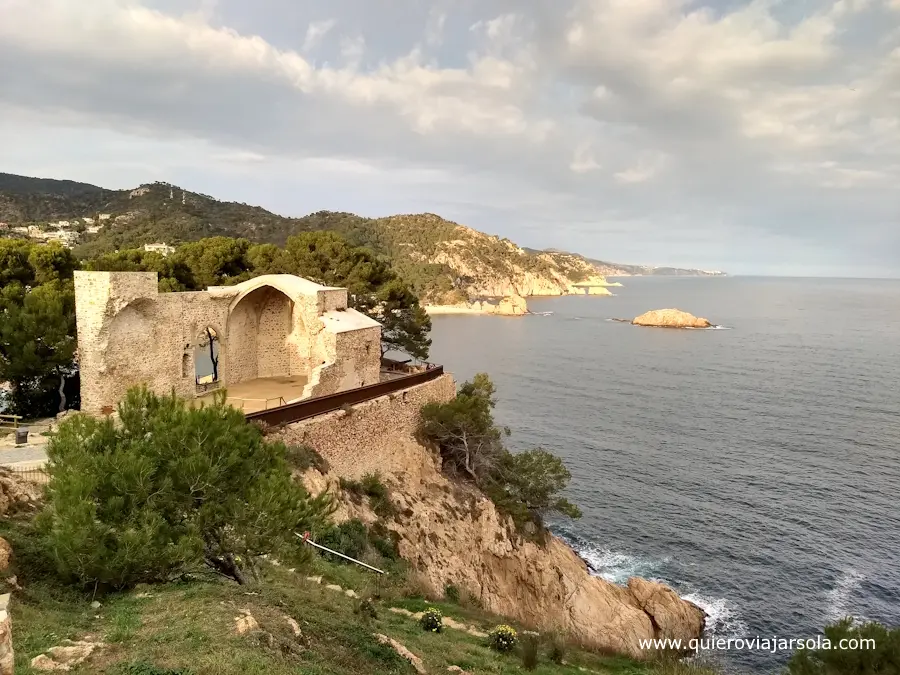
(451, 534)
(7, 658)
(670, 318)
(17, 494)
(67, 656)
(513, 305)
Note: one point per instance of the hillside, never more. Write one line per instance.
(620, 270)
(444, 261)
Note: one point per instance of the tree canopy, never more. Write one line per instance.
(168, 488)
(525, 486)
(37, 325)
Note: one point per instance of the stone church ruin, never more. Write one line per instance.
(270, 340)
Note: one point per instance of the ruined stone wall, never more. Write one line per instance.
(273, 355)
(129, 333)
(364, 440)
(242, 346)
(359, 365)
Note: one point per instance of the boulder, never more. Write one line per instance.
(512, 305)
(403, 652)
(6, 554)
(672, 616)
(66, 656)
(7, 658)
(670, 318)
(17, 494)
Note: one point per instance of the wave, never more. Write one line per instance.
(839, 599)
(723, 618)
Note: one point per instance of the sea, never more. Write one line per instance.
(754, 467)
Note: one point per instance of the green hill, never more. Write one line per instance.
(442, 260)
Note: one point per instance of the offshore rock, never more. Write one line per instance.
(670, 318)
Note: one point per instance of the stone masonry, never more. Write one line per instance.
(268, 327)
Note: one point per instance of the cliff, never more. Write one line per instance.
(452, 534)
(513, 305)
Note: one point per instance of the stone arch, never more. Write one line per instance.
(266, 336)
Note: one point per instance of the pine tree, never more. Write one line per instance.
(166, 489)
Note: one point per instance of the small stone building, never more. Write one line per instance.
(268, 341)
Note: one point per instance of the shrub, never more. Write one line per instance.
(354, 539)
(371, 486)
(557, 651)
(530, 649)
(350, 538)
(303, 457)
(503, 638)
(168, 488)
(451, 592)
(366, 609)
(432, 620)
(883, 658)
(524, 486)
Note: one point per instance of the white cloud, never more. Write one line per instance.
(316, 31)
(759, 113)
(646, 168)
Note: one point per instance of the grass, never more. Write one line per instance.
(188, 627)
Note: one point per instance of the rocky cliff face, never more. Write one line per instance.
(451, 533)
(492, 267)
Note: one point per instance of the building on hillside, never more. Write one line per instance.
(270, 340)
(159, 248)
(87, 221)
(104, 216)
(65, 237)
(93, 229)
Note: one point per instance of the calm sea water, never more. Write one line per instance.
(754, 469)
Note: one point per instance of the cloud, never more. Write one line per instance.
(316, 31)
(646, 168)
(654, 130)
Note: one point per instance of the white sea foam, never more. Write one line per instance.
(839, 600)
(616, 566)
(722, 617)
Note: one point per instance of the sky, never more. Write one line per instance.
(756, 137)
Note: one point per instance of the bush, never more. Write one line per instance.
(503, 638)
(167, 489)
(557, 651)
(371, 486)
(524, 486)
(884, 658)
(366, 609)
(451, 592)
(354, 539)
(303, 457)
(432, 620)
(350, 538)
(530, 650)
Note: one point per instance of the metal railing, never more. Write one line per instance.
(301, 410)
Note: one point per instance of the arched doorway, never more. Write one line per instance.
(206, 359)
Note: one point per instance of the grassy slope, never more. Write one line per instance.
(190, 624)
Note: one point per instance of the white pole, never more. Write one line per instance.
(346, 557)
